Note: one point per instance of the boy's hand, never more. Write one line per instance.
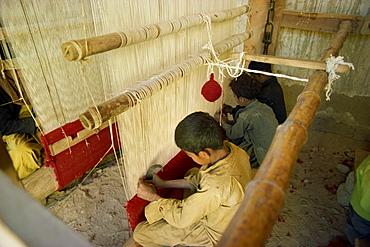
(147, 191)
(227, 109)
(225, 119)
(157, 181)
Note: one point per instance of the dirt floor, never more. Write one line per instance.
(311, 217)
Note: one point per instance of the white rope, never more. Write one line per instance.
(331, 65)
(237, 69)
(219, 63)
(262, 72)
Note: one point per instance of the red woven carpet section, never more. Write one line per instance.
(174, 169)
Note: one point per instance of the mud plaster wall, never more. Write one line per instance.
(343, 115)
(347, 112)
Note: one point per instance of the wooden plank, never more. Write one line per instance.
(321, 22)
(68, 142)
(299, 63)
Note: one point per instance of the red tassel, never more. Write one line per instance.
(211, 90)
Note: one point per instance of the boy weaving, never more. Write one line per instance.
(271, 92)
(254, 123)
(218, 186)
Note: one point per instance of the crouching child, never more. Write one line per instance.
(218, 189)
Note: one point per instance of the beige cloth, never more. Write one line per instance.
(24, 149)
(24, 152)
(200, 219)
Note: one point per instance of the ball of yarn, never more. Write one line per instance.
(211, 90)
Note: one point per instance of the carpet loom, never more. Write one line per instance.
(154, 56)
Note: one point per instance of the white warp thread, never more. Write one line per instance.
(260, 72)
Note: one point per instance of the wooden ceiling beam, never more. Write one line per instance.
(322, 22)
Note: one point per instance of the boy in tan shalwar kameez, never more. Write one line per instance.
(218, 186)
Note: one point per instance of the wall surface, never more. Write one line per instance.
(347, 112)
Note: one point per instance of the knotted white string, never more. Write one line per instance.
(331, 65)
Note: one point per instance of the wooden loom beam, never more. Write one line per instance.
(293, 62)
(96, 115)
(79, 49)
(322, 22)
(265, 194)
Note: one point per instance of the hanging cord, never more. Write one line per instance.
(233, 71)
(331, 65)
(238, 69)
(260, 72)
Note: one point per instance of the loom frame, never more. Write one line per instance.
(319, 79)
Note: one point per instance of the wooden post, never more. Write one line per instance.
(96, 115)
(79, 49)
(265, 194)
(258, 15)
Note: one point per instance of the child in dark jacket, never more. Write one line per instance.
(254, 123)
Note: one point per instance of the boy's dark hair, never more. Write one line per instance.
(260, 66)
(198, 131)
(245, 86)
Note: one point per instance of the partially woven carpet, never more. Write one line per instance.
(174, 169)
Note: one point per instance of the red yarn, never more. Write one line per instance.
(211, 90)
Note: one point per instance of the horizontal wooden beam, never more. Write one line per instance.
(79, 49)
(41, 183)
(322, 22)
(95, 115)
(68, 142)
(300, 63)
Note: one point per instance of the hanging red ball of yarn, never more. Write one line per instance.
(211, 90)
